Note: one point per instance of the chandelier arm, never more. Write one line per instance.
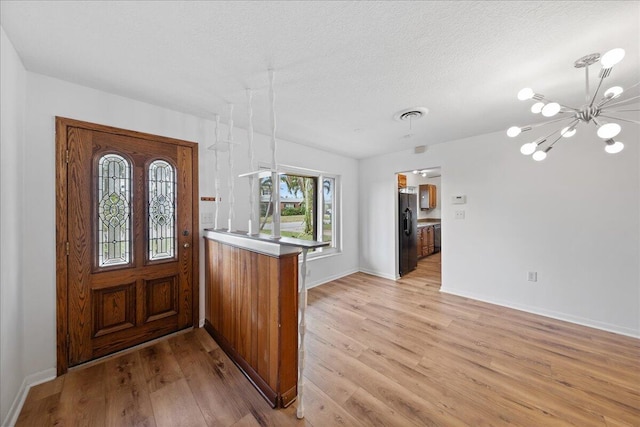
(576, 121)
(593, 99)
(573, 123)
(619, 118)
(632, 86)
(536, 125)
(621, 111)
(605, 100)
(548, 122)
(573, 109)
(562, 133)
(624, 101)
(554, 141)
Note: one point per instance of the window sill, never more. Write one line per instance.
(327, 253)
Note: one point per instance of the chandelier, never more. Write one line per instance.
(591, 112)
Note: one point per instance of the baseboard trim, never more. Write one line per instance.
(30, 381)
(330, 278)
(379, 274)
(547, 313)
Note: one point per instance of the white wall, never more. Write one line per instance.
(574, 219)
(12, 112)
(47, 98)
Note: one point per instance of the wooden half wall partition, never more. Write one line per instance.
(251, 307)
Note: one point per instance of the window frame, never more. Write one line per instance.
(336, 229)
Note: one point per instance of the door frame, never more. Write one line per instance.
(61, 137)
(396, 215)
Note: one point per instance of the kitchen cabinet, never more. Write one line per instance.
(428, 244)
(427, 194)
(425, 241)
(402, 181)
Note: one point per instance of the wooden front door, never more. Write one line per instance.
(127, 239)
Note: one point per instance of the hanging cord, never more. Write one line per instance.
(272, 98)
(231, 180)
(252, 189)
(275, 177)
(216, 167)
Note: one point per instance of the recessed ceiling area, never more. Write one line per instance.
(343, 69)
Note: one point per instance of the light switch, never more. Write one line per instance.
(459, 214)
(207, 217)
(459, 200)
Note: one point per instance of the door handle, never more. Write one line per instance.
(407, 221)
(186, 245)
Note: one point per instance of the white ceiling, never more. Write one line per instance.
(343, 69)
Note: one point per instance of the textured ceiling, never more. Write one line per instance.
(343, 69)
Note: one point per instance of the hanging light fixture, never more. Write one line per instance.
(591, 112)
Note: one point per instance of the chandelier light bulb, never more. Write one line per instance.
(613, 92)
(609, 130)
(415, 172)
(528, 148)
(526, 93)
(613, 147)
(513, 131)
(551, 109)
(424, 174)
(612, 57)
(568, 132)
(539, 155)
(537, 107)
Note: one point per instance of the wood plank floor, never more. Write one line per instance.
(379, 353)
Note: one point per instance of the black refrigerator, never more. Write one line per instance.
(408, 227)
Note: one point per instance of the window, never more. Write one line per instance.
(114, 211)
(162, 205)
(308, 206)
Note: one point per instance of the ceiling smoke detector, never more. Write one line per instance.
(410, 114)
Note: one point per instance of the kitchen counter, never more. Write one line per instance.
(427, 224)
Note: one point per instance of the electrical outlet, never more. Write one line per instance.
(459, 214)
(532, 276)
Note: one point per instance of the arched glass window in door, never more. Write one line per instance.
(162, 205)
(114, 211)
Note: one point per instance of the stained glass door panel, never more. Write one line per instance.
(161, 218)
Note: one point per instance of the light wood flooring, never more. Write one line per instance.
(379, 353)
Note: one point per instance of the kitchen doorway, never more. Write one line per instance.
(419, 225)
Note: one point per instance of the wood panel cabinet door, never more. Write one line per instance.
(130, 236)
(419, 238)
(423, 195)
(427, 196)
(429, 241)
(432, 196)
